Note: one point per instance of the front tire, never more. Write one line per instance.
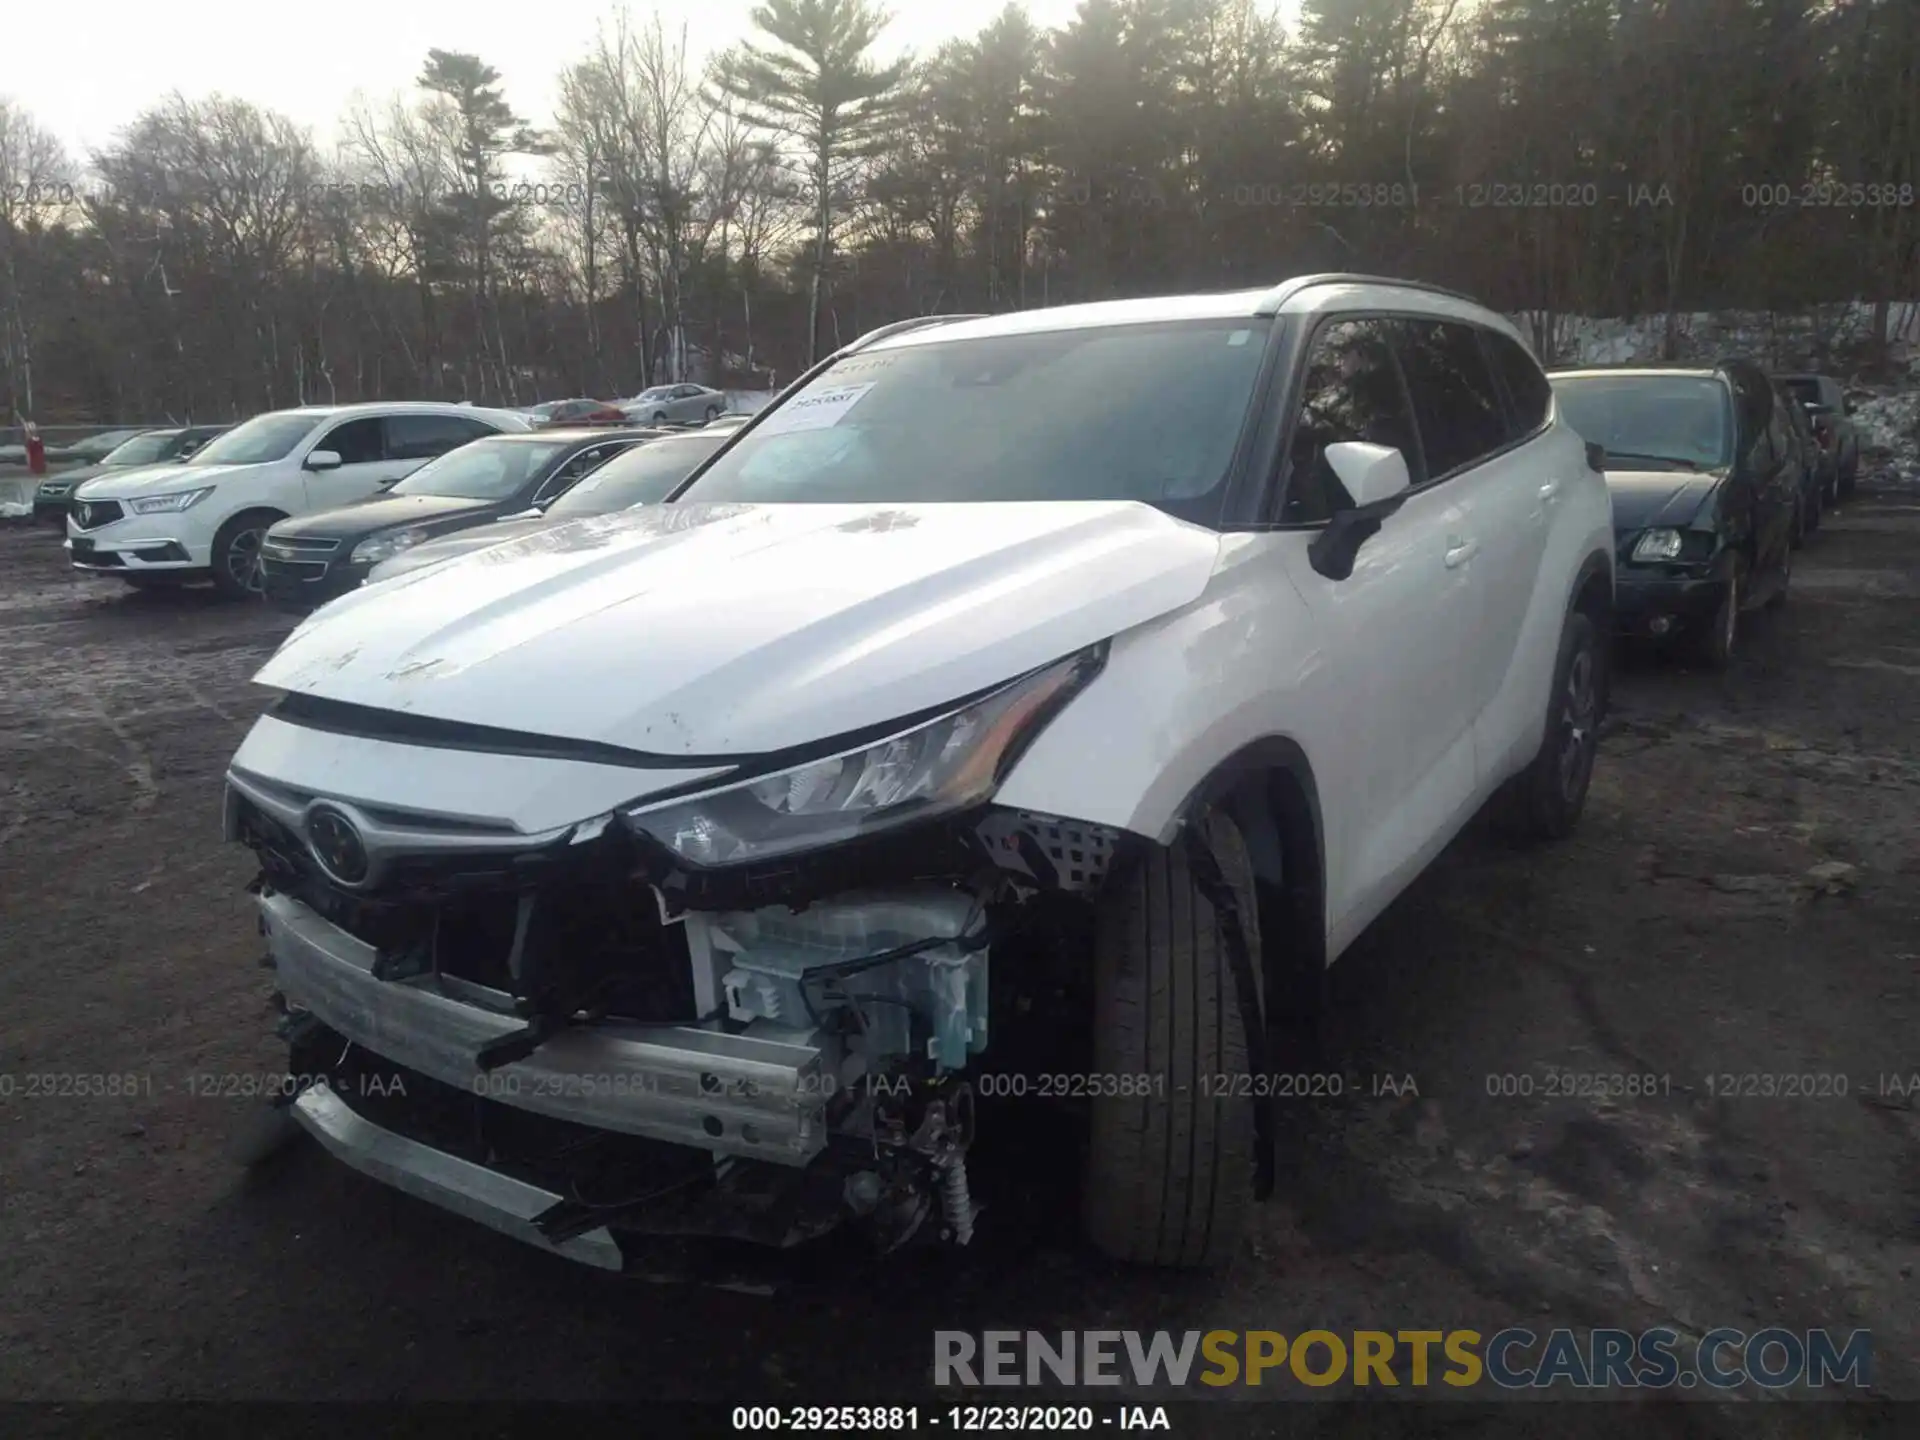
(236, 553)
(1544, 801)
(1169, 1176)
(1713, 643)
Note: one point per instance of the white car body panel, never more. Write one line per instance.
(740, 630)
(282, 486)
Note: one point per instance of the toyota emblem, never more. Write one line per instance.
(337, 845)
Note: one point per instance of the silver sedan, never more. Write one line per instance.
(694, 403)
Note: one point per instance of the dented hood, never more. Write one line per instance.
(741, 629)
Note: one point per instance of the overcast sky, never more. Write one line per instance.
(84, 73)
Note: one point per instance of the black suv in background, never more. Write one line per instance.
(310, 559)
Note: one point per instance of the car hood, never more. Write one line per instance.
(741, 629)
(383, 513)
(74, 476)
(461, 542)
(161, 479)
(1645, 498)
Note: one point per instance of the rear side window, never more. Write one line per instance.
(1455, 399)
(423, 437)
(1351, 391)
(1527, 387)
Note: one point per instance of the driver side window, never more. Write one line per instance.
(1351, 391)
(358, 442)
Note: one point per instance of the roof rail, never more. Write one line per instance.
(901, 327)
(1287, 289)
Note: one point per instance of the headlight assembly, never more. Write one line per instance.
(1658, 545)
(169, 504)
(944, 765)
(385, 547)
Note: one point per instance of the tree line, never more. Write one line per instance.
(730, 221)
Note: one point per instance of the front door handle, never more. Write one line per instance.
(1550, 489)
(1459, 552)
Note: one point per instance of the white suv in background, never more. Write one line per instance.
(161, 527)
(1020, 706)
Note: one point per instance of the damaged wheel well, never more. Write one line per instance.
(1269, 791)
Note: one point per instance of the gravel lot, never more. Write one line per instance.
(1675, 936)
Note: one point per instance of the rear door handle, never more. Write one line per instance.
(1459, 552)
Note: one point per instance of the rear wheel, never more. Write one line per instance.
(713, 412)
(1169, 1174)
(1544, 801)
(236, 552)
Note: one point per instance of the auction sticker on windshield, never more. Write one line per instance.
(817, 411)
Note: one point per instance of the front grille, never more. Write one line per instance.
(306, 544)
(594, 938)
(92, 514)
(302, 570)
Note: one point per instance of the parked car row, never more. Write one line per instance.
(684, 404)
(170, 507)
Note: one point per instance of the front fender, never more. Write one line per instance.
(1177, 697)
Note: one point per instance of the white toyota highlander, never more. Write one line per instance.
(1014, 719)
(163, 526)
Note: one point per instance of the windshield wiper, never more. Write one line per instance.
(1613, 454)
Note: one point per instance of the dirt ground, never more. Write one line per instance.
(1675, 936)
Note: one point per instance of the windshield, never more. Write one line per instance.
(643, 475)
(1685, 419)
(483, 470)
(261, 439)
(1124, 412)
(143, 449)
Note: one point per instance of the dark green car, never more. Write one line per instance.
(145, 447)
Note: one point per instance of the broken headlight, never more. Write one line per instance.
(944, 765)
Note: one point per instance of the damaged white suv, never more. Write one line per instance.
(1019, 714)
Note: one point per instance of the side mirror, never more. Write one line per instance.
(1596, 457)
(1377, 479)
(1371, 473)
(321, 460)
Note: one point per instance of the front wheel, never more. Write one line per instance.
(1168, 1177)
(236, 553)
(1713, 642)
(1544, 801)
(659, 417)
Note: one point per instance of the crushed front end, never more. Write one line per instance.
(584, 1037)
